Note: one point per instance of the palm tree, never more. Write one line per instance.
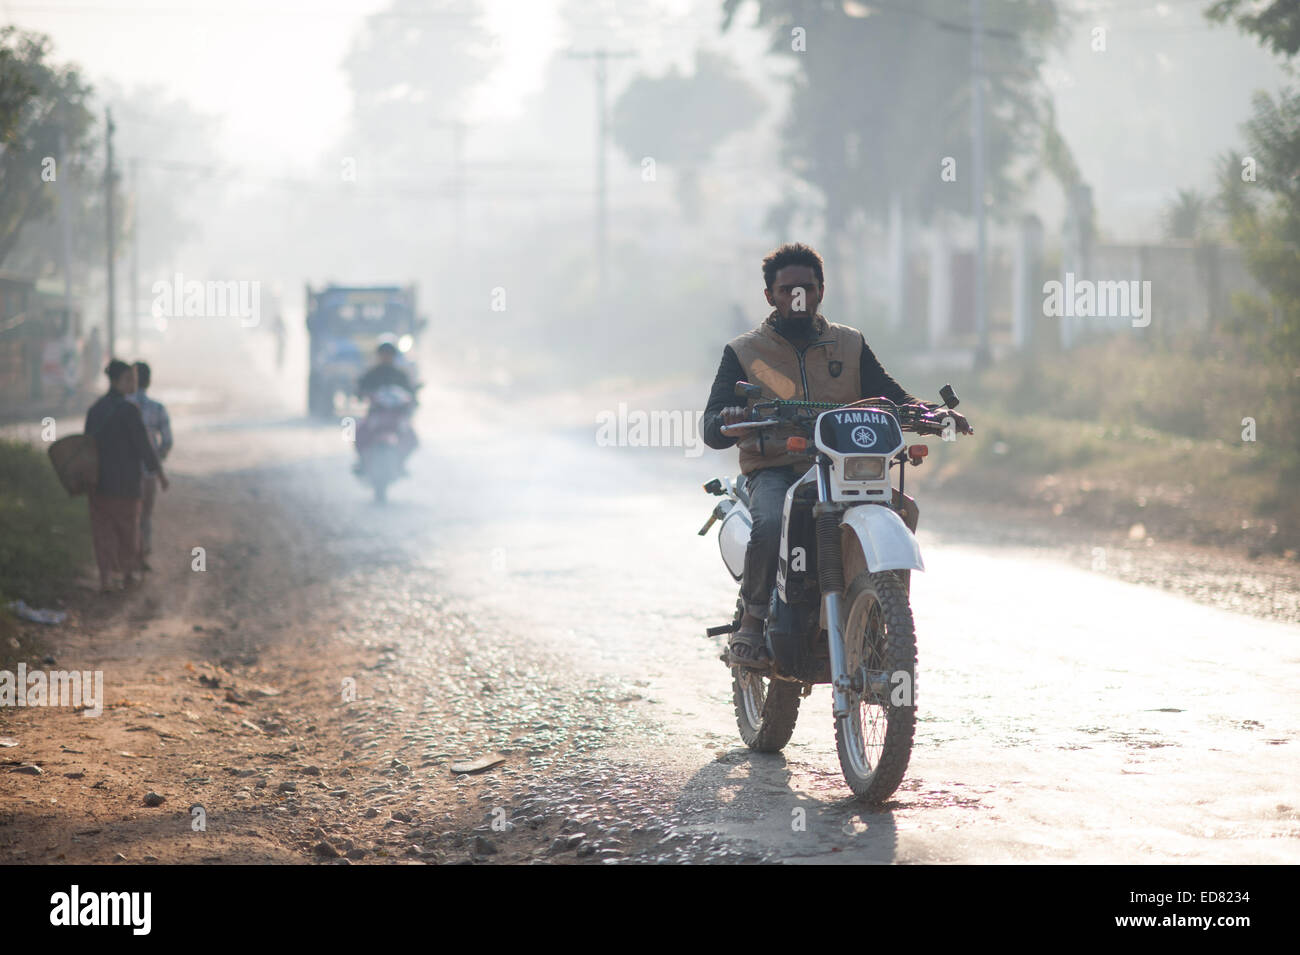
(1186, 218)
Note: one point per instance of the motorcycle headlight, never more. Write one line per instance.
(864, 467)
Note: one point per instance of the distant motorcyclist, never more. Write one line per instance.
(385, 371)
(385, 374)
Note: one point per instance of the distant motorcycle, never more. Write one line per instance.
(385, 438)
(840, 611)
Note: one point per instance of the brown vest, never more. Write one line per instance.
(829, 369)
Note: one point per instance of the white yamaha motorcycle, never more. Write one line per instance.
(840, 611)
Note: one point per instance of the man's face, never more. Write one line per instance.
(795, 292)
(126, 381)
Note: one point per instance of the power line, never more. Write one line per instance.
(403, 189)
(601, 57)
(1012, 33)
(261, 10)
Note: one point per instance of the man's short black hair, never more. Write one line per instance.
(792, 253)
(115, 369)
(143, 374)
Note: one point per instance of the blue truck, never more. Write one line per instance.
(344, 323)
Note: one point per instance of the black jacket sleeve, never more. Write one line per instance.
(723, 395)
(877, 382)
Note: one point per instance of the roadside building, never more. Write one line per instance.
(40, 355)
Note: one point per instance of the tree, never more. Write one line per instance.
(1186, 218)
(1276, 24)
(882, 97)
(169, 188)
(1260, 197)
(1259, 192)
(680, 119)
(412, 69)
(16, 87)
(38, 101)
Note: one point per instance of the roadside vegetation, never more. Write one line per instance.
(44, 533)
(1191, 438)
(1190, 442)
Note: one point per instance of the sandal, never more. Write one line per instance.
(748, 650)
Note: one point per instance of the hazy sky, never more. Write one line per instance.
(270, 68)
(1144, 117)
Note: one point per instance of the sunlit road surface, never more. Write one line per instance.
(1064, 716)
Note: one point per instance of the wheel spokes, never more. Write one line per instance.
(755, 694)
(864, 639)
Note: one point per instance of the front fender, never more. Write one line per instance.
(882, 540)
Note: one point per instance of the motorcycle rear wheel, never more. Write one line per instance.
(766, 709)
(874, 740)
(381, 465)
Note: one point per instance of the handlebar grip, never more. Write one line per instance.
(729, 429)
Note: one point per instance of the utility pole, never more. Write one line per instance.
(977, 183)
(456, 299)
(71, 355)
(112, 247)
(135, 255)
(70, 329)
(458, 158)
(601, 57)
(458, 128)
(977, 29)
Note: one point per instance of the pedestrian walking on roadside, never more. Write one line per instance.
(124, 449)
(158, 425)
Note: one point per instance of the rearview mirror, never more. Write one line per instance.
(745, 390)
(949, 396)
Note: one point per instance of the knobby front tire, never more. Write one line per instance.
(875, 740)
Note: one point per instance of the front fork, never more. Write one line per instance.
(830, 577)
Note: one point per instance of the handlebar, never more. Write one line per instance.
(917, 418)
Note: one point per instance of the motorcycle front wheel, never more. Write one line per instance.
(875, 739)
(381, 467)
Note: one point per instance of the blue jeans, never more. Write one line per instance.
(767, 488)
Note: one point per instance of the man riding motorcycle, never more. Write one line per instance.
(795, 354)
(384, 373)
